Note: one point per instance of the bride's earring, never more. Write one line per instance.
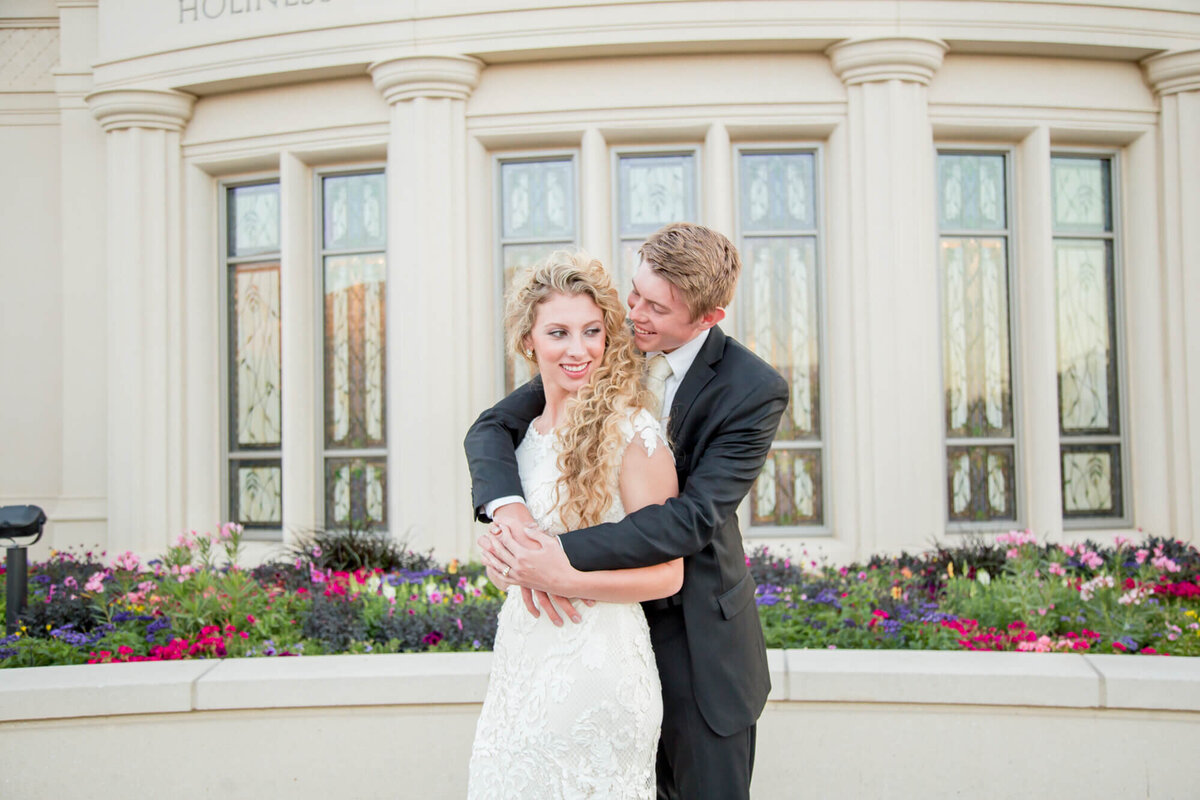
(529, 354)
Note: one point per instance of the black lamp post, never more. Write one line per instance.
(17, 522)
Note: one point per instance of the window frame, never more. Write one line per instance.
(1011, 234)
(317, 239)
(498, 160)
(229, 455)
(817, 149)
(1125, 521)
(616, 153)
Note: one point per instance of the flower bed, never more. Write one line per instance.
(195, 602)
(1010, 594)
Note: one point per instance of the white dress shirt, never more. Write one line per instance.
(680, 359)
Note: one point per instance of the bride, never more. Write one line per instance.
(575, 711)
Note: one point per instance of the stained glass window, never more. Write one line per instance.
(354, 277)
(779, 312)
(253, 369)
(652, 190)
(1088, 373)
(974, 245)
(538, 215)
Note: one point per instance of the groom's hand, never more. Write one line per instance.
(537, 562)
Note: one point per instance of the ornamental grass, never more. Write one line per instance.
(331, 596)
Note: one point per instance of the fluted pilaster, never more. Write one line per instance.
(428, 329)
(893, 266)
(143, 260)
(1176, 79)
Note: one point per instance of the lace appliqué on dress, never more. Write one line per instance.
(570, 712)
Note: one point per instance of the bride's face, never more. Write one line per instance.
(568, 342)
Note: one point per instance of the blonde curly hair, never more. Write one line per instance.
(590, 434)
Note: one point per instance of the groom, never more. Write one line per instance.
(722, 406)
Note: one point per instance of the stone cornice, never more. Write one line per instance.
(1170, 73)
(408, 77)
(889, 59)
(118, 109)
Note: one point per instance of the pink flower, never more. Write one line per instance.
(1141, 556)
(1120, 541)
(95, 583)
(126, 560)
(1057, 569)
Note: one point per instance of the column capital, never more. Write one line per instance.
(408, 77)
(118, 109)
(894, 58)
(1170, 73)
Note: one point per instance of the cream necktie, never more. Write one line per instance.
(657, 372)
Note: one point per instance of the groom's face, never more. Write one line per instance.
(661, 319)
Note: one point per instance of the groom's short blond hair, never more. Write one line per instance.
(701, 263)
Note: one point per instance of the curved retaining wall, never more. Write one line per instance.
(870, 724)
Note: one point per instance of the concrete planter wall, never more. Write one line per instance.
(839, 724)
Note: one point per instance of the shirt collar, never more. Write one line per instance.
(681, 357)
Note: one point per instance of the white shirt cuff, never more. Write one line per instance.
(490, 509)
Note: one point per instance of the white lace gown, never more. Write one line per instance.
(570, 712)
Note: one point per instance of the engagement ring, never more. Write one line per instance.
(505, 572)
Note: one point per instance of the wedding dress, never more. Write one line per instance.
(570, 712)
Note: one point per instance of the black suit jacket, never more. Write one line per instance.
(723, 420)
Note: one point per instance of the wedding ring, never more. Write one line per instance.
(505, 571)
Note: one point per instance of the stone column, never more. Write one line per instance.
(893, 262)
(1176, 79)
(428, 320)
(144, 301)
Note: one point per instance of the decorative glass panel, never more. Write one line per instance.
(1092, 481)
(355, 493)
(519, 256)
(256, 405)
(780, 296)
(355, 215)
(978, 382)
(976, 333)
(655, 191)
(253, 215)
(355, 339)
(780, 321)
(1086, 364)
(981, 483)
(537, 217)
(252, 363)
(1082, 195)
(354, 278)
(538, 199)
(1088, 337)
(788, 492)
(971, 192)
(775, 191)
(257, 493)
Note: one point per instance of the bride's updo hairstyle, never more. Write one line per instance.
(590, 435)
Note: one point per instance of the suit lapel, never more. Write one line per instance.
(697, 377)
